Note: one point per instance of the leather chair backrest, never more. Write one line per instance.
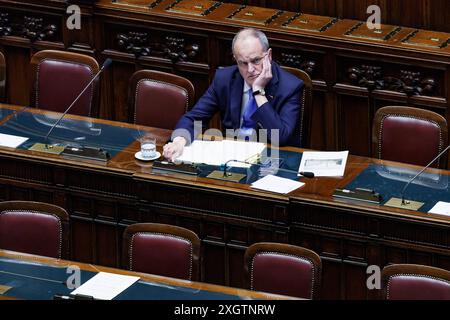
(34, 231)
(283, 269)
(306, 100)
(163, 250)
(59, 77)
(415, 282)
(409, 135)
(159, 99)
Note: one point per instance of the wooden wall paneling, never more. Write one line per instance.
(422, 14)
(357, 9)
(318, 128)
(107, 243)
(82, 248)
(235, 255)
(82, 228)
(356, 260)
(17, 75)
(442, 261)
(323, 8)
(214, 262)
(353, 123)
(4, 192)
(151, 47)
(25, 31)
(440, 15)
(355, 281)
(413, 13)
(119, 76)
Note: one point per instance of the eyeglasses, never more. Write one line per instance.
(255, 61)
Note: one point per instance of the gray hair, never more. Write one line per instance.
(251, 32)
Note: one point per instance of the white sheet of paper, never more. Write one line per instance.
(324, 164)
(441, 208)
(105, 285)
(276, 184)
(7, 140)
(217, 153)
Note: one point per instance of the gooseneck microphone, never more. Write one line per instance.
(105, 65)
(406, 202)
(306, 174)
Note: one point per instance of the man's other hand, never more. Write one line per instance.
(174, 149)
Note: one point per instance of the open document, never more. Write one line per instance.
(217, 153)
(324, 164)
(105, 286)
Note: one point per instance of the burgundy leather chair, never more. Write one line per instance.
(58, 77)
(409, 135)
(35, 228)
(415, 282)
(283, 269)
(161, 249)
(158, 99)
(306, 105)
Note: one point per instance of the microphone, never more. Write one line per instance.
(408, 204)
(105, 65)
(56, 149)
(226, 174)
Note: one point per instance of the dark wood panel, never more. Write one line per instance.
(17, 75)
(354, 124)
(423, 14)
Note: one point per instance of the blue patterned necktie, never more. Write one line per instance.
(250, 108)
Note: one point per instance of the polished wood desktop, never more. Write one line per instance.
(103, 198)
(157, 281)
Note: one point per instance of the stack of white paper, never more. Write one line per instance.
(105, 285)
(276, 184)
(217, 153)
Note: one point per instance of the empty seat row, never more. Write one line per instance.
(43, 229)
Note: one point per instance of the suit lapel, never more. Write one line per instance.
(237, 85)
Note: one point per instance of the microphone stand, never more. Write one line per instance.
(85, 152)
(236, 177)
(409, 204)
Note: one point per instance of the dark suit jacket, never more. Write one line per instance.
(282, 111)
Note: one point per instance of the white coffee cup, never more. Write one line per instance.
(148, 147)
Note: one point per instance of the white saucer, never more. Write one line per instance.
(138, 155)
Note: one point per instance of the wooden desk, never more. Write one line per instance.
(103, 199)
(161, 287)
(355, 70)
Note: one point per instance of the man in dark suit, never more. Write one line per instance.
(256, 94)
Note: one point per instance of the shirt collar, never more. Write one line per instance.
(246, 87)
